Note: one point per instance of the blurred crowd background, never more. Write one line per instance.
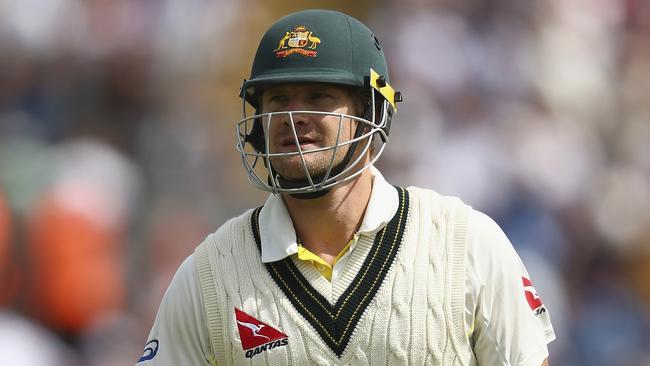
(117, 125)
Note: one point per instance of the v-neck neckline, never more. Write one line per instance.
(335, 323)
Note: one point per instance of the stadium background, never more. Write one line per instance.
(117, 154)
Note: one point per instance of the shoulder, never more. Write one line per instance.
(182, 292)
(178, 335)
(232, 233)
(486, 233)
(490, 255)
(422, 193)
(235, 224)
(488, 247)
(429, 201)
(485, 241)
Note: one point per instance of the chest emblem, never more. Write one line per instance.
(257, 336)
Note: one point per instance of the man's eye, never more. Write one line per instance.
(318, 95)
(277, 99)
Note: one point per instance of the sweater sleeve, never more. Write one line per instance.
(178, 335)
(511, 323)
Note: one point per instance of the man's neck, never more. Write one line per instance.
(326, 224)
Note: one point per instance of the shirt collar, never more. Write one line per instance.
(278, 238)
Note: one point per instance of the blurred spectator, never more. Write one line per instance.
(76, 238)
(610, 326)
(5, 227)
(620, 207)
(24, 343)
(172, 230)
(7, 268)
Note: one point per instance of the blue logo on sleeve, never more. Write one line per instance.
(150, 350)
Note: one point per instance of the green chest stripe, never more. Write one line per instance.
(335, 323)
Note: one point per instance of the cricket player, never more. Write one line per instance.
(338, 266)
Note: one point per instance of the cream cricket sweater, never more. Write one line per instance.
(400, 299)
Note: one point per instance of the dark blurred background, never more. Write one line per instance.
(117, 125)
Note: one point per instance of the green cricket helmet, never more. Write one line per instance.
(317, 46)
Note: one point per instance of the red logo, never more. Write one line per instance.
(534, 301)
(257, 336)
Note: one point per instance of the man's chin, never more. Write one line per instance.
(292, 168)
(297, 172)
(301, 176)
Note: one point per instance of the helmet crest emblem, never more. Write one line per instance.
(300, 40)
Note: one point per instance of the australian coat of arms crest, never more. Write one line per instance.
(298, 41)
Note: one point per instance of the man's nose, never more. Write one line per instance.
(297, 118)
(296, 104)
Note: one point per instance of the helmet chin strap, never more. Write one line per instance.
(338, 169)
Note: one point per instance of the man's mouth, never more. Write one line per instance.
(302, 140)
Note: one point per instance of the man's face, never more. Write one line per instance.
(314, 131)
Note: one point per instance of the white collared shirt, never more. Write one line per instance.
(278, 237)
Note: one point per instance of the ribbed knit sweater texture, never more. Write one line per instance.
(414, 318)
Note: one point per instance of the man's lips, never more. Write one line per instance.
(302, 140)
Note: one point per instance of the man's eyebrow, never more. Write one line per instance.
(273, 92)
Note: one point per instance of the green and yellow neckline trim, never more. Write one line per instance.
(335, 323)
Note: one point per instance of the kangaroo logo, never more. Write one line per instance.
(256, 336)
(294, 42)
(255, 328)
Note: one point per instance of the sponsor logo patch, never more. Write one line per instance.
(150, 350)
(257, 336)
(300, 41)
(534, 301)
